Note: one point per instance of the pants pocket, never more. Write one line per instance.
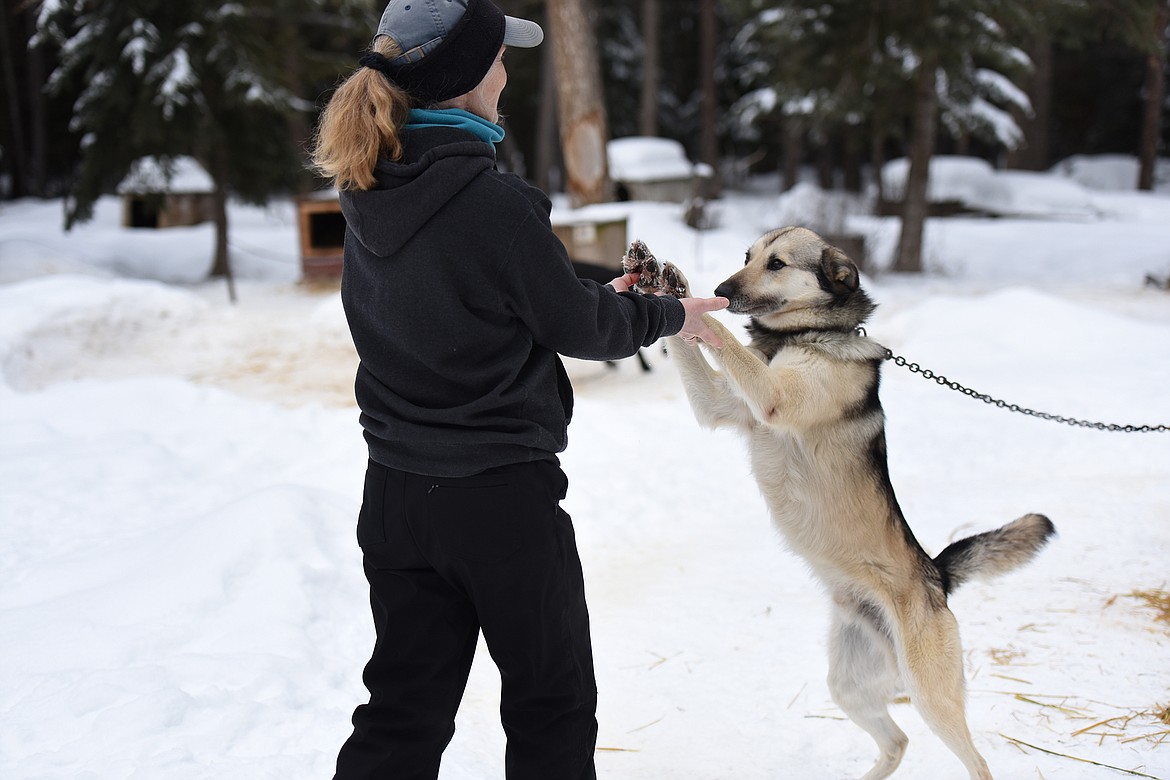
(478, 518)
(371, 526)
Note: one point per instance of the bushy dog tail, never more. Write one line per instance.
(993, 553)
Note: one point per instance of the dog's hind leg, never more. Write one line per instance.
(932, 666)
(864, 678)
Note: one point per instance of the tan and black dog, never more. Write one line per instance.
(805, 392)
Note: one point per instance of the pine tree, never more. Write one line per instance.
(958, 54)
(657, 93)
(1144, 26)
(830, 68)
(205, 78)
(821, 72)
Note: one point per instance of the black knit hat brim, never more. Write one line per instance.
(460, 61)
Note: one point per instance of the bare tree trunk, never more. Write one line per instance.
(579, 100)
(38, 164)
(963, 143)
(708, 141)
(922, 138)
(547, 159)
(877, 155)
(877, 128)
(9, 40)
(792, 152)
(651, 67)
(1154, 98)
(299, 129)
(1033, 154)
(826, 164)
(852, 144)
(221, 265)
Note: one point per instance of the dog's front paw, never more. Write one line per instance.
(639, 260)
(673, 281)
(654, 276)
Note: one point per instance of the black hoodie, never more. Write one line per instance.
(459, 298)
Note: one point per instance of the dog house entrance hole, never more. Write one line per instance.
(326, 229)
(144, 212)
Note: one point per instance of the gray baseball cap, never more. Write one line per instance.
(419, 26)
(448, 46)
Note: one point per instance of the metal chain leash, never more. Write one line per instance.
(926, 373)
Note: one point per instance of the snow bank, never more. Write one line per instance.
(1023, 251)
(951, 178)
(181, 593)
(1100, 172)
(1141, 207)
(1074, 189)
(153, 630)
(263, 243)
(1017, 324)
(976, 185)
(46, 324)
(1111, 172)
(33, 243)
(1030, 194)
(808, 205)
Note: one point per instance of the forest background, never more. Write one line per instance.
(747, 86)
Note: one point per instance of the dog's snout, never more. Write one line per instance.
(726, 290)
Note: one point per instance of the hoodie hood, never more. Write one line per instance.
(437, 164)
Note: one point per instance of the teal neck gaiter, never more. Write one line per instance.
(486, 131)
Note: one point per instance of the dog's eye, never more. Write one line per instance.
(775, 264)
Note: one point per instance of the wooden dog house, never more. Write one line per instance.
(322, 231)
(167, 193)
(597, 240)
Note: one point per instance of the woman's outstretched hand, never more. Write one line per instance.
(694, 328)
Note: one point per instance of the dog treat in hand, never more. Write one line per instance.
(653, 276)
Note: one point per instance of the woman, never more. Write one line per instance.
(459, 298)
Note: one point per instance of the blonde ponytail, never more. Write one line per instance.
(360, 124)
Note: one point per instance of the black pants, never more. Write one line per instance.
(446, 558)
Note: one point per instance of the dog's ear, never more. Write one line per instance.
(839, 270)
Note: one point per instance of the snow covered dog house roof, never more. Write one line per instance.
(168, 192)
(178, 175)
(975, 185)
(641, 158)
(648, 168)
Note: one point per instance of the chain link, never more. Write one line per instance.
(926, 373)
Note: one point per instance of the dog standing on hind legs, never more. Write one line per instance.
(805, 392)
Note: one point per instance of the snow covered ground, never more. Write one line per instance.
(180, 588)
